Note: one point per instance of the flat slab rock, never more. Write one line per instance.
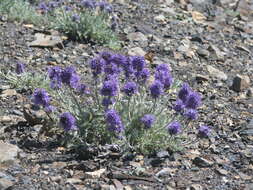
(43, 40)
(8, 152)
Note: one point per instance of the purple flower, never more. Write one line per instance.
(67, 8)
(204, 131)
(163, 75)
(109, 88)
(43, 7)
(52, 4)
(89, 4)
(193, 100)
(75, 18)
(54, 74)
(82, 89)
(163, 68)
(68, 121)
(128, 68)
(111, 68)
(70, 77)
(168, 80)
(106, 55)
(120, 60)
(138, 62)
(174, 128)
(20, 68)
(106, 102)
(113, 121)
(156, 89)
(179, 105)
(97, 66)
(49, 109)
(41, 97)
(105, 6)
(130, 88)
(191, 114)
(148, 120)
(143, 75)
(184, 92)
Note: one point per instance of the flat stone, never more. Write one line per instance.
(5, 183)
(196, 187)
(203, 52)
(240, 83)
(74, 180)
(222, 171)
(216, 73)
(160, 18)
(136, 51)
(202, 162)
(201, 78)
(43, 40)
(218, 54)
(137, 36)
(8, 152)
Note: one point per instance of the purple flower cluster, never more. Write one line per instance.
(111, 65)
(68, 121)
(163, 81)
(148, 120)
(188, 101)
(20, 68)
(41, 97)
(113, 121)
(46, 7)
(67, 76)
(130, 88)
(174, 128)
(91, 4)
(204, 131)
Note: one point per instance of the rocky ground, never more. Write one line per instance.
(206, 42)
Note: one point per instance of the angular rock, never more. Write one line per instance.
(5, 183)
(160, 18)
(202, 162)
(196, 187)
(203, 52)
(43, 40)
(136, 51)
(95, 174)
(218, 54)
(8, 152)
(201, 78)
(137, 36)
(240, 83)
(216, 73)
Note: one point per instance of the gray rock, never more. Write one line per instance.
(43, 40)
(240, 83)
(217, 53)
(201, 78)
(5, 183)
(136, 51)
(216, 73)
(203, 52)
(163, 154)
(202, 162)
(138, 37)
(160, 18)
(8, 152)
(250, 92)
(196, 187)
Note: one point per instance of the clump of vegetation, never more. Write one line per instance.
(83, 21)
(120, 103)
(21, 11)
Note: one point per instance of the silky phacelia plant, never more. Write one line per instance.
(120, 102)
